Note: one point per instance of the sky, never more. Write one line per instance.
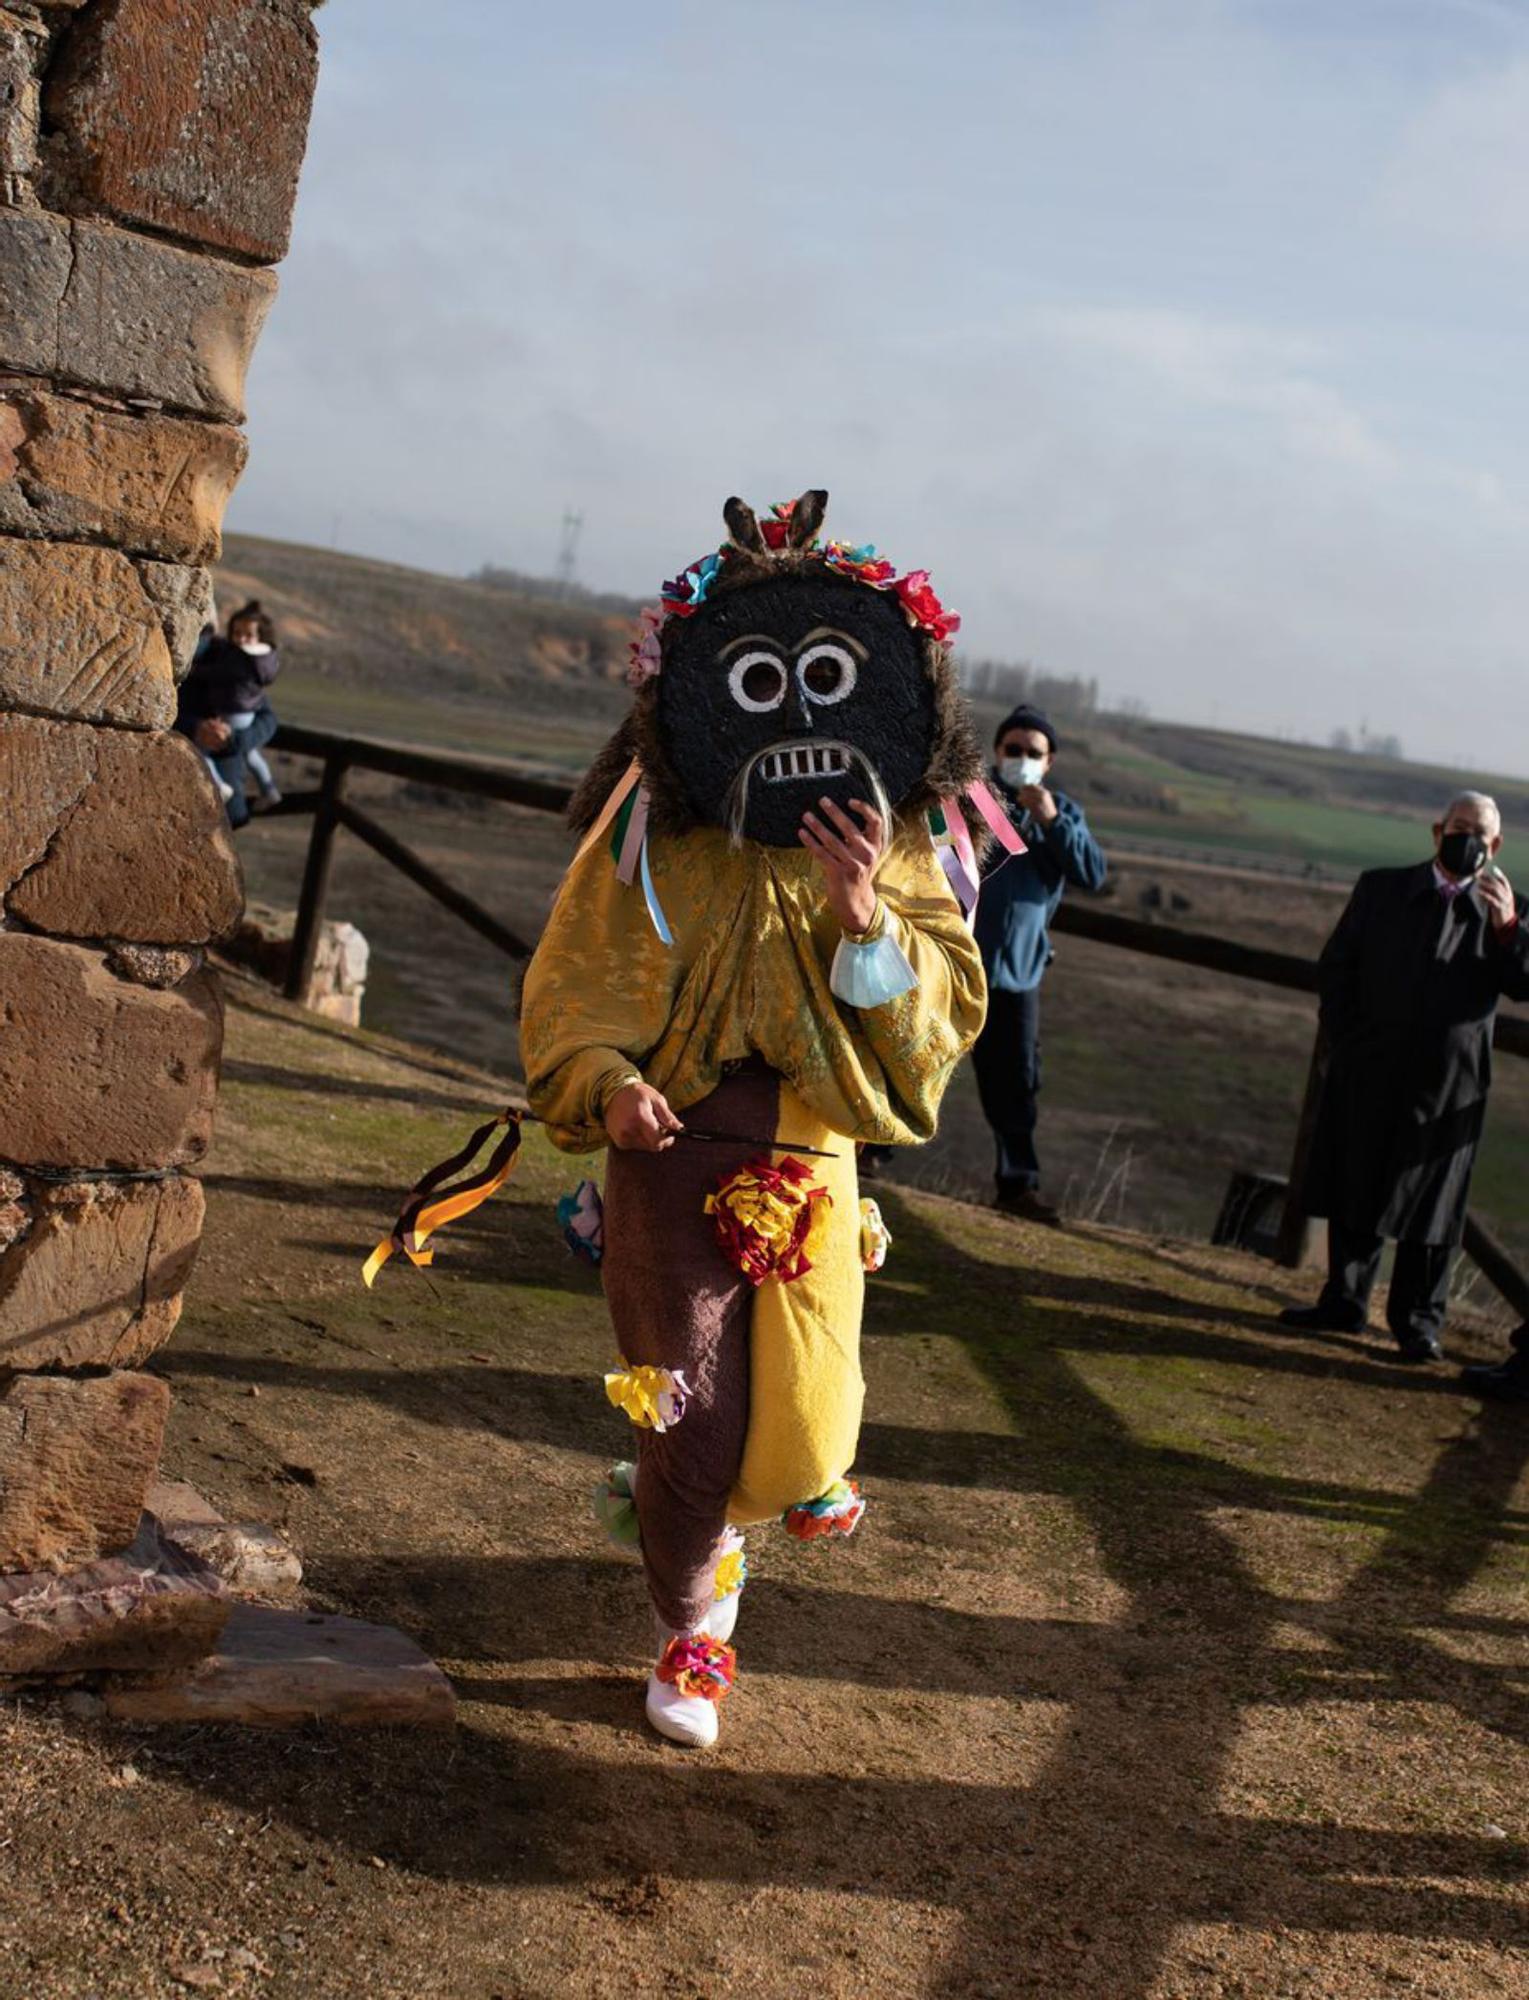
(1183, 341)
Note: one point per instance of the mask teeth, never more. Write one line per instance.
(804, 761)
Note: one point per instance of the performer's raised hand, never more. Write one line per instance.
(638, 1119)
(849, 855)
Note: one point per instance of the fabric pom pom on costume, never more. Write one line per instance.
(836, 1512)
(732, 1571)
(615, 1505)
(581, 1216)
(654, 1398)
(699, 1666)
(769, 1218)
(875, 1237)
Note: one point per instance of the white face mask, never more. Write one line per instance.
(256, 646)
(1017, 772)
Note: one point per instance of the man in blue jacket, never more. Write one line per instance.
(1019, 896)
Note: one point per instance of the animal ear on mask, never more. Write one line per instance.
(743, 526)
(807, 517)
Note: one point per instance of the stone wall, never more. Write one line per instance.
(149, 154)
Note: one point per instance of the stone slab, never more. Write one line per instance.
(192, 121)
(35, 257)
(96, 1280)
(76, 1457)
(153, 1606)
(21, 51)
(80, 636)
(150, 485)
(138, 318)
(183, 599)
(280, 1669)
(140, 851)
(249, 1556)
(96, 1072)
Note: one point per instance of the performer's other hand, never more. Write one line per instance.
(849, 855)
(1497, 893)
(638, 1119)
(213, 733)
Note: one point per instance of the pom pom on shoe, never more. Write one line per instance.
(834, 1512)
(699, 1667)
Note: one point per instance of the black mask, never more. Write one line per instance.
(778, 693)
(1463, 854)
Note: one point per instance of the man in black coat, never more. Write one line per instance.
(1410, 981)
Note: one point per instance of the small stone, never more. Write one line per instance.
(128, 1774)
(1494, 1832)
(157, 965)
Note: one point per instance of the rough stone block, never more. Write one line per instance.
(77, 1454)
(183, 598)
(149, 321)
(152, 1606)
(96, 1072)
(113, 834)
(151, 485)
(95, 1281)
(35, 257)
(285, 1668)
(128, 314)
(21, 51)
(190, 120)
(81, 636)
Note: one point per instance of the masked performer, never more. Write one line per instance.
(755, 960)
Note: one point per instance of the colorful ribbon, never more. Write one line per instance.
(430, 1205)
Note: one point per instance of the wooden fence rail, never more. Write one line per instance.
(488, 777)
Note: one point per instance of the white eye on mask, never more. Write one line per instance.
(1017, 772)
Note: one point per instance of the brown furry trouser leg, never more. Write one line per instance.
(676, 1302)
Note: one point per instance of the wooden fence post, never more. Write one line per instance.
(1295, 1223)
(310, 906)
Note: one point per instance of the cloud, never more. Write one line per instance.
(1460, 174)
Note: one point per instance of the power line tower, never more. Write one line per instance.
(568, 551)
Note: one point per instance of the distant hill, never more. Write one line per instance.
(381, 629)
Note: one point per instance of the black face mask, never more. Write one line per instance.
(1463, 854)
(782, 691)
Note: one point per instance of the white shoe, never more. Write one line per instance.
(683, 1718)
(690, 1719)
(722, 1617)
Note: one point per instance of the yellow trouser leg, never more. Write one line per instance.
(805, 1386)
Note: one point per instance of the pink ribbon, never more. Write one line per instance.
(998, 820)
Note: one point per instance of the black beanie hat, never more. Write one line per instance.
(1026, 717)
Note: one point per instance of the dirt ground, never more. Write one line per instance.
(1174, 1658)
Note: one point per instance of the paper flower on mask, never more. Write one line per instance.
(777, 526)
(644, 655)
(686, 592)
(836, 1512)
(654, 1398)
(875, 1237)
(767, 1218)
(862, 564)
(732, 1571)
(581, 1216)
(699, 1666)
(923, 608)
